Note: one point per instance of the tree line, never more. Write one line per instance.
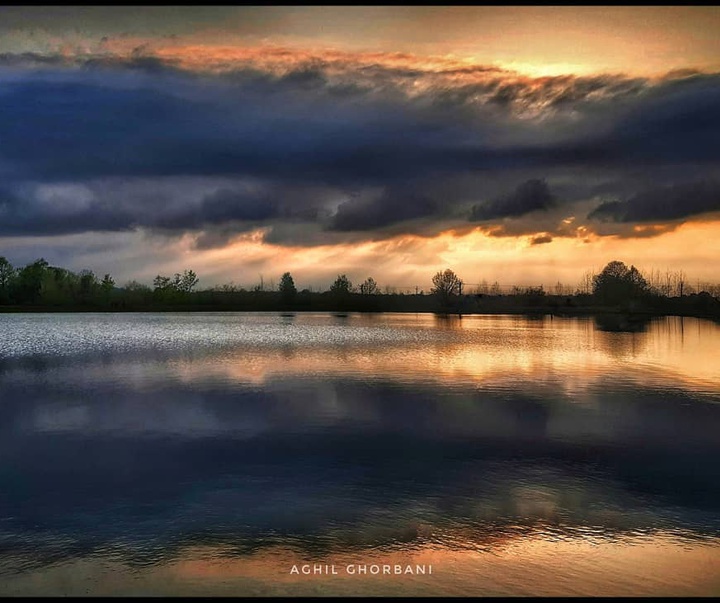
(40, 285)
(616, 286)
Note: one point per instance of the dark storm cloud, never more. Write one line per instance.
(339, 128)
(71, 130)
(391, 207)
(32, 213)
(677, 123)
(533, 195)
(221, 207)
(21, 214)
(663, 204)
(290, 127)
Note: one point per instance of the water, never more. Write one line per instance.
(224, 453)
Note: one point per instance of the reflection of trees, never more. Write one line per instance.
(448, 321)
(621, 323)
(620, 343)
(621, 335)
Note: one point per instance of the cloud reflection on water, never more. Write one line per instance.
(259, 447)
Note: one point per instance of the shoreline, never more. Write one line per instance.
(567, 312)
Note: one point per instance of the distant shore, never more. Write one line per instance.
(618, 290)
(505, 305)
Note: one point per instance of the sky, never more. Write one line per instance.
(524, 145)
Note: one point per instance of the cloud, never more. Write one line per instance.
(224, 206)
(663, 204)
(320, 145)
(392, 206)
(57, 210)
(541, 239)
(532, 195)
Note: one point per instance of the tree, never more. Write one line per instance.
(7, 274)
(617, 283)
(585, 286)
(369, 287)
(341, 286)
(87, 283)
(446, 285)
(287, 288)
(107, 284)
(29, 281)
(161, 283)
(137, 294)
(134, 286)
(340, 292)
(106, 288)
(174, 289)
(59, 286)
(185, 282)
(680, 283)
(164, 289)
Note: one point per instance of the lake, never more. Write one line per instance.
(315, 454)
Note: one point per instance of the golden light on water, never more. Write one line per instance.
(672, 349)
(653, 564)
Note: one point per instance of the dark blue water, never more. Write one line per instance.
(210, 453)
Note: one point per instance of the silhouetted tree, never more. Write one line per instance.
(680, 280)
(174, 289)
(185, 282)
(341, 286)
(369, 287)
(7, 274)
(164, 289)
(340, 291)
(135, 286)
(60, 287)
(618, 283)
(87, 284)
(137, 294)
(107, 284)
(29, 282)
(446, 285)
(287, 289)
(162, 282)
(106, 288)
